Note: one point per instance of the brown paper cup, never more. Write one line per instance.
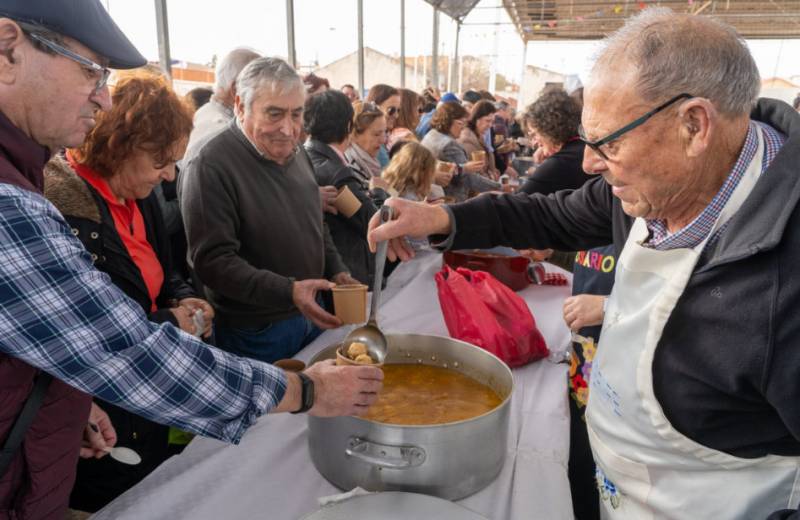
(444, 166)
(498, 139)
(346, 203)
(478, 155)
(350, 303)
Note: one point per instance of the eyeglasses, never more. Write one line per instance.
(613, 136)
(391, 111)
(97, 70)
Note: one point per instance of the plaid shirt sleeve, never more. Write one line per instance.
(63, 316)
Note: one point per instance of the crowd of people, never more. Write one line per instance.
(160, 255)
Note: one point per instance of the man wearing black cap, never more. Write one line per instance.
(65, 330)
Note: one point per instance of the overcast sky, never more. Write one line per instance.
(326, 30)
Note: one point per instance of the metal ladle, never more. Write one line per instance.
(369, 334)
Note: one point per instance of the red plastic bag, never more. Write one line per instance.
(480, 310)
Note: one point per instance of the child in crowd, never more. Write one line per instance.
(411, 172)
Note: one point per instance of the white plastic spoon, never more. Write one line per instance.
(124, 455)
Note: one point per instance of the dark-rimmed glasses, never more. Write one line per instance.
(613, 136)
(96, 69)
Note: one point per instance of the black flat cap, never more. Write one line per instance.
(84, 20)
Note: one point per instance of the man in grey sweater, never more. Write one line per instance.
(254, 222)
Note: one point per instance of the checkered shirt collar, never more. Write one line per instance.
(693, 234)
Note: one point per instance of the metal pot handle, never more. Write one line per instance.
(536, 273)
(384, 455)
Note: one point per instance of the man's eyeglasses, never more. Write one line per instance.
(598, 145)
(97, 70)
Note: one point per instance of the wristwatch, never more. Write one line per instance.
(307, 396)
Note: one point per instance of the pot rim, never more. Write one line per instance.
(504, 403)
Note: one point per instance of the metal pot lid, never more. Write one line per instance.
(394, 505)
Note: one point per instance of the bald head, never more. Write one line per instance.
(651, 55)
(228, 70)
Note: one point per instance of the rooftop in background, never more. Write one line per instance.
(594, 19)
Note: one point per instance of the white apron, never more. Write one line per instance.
(646, 468)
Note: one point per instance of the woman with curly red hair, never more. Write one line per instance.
(104, 189)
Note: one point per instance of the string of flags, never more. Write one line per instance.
(617, 9)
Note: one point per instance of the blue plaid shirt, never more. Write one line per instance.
(61, 315)
(693, 234)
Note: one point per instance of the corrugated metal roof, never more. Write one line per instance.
(594, 19)
(456, 9)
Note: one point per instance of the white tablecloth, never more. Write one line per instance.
(270, 474)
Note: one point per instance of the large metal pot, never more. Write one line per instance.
(450, 460)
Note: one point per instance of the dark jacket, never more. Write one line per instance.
(100, 481)
(725, 369)
(88, 215)
(561, 171)
(37, 483)
(349, 234)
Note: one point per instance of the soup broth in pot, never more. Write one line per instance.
(415, 395)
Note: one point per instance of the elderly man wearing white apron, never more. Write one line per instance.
(694, 400)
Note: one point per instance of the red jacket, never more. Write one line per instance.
(38, 481)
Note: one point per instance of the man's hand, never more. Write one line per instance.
(199, 305)
(583, 310)
(183, 315)
(304, 296)
(474, 166)
(98, 434)
(415, 219)
(327, 194)
(343, 390)
(344, 278)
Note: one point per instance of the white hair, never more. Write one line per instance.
(271, 74)
(676, 53)
(230, 66)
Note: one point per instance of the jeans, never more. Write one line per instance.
(278, 340)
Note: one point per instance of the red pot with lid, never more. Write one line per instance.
(503, 263)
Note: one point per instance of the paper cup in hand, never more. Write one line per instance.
(479, 155)
(445, 167)
(350, 303)
(346, 203)
(498, 139)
